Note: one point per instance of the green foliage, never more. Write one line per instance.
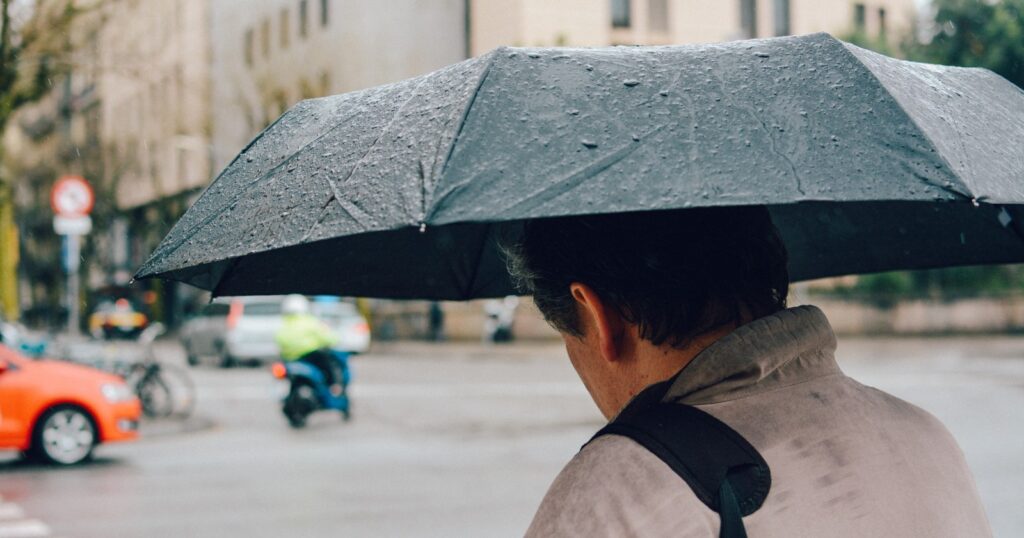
(969, 33)
(948, 283)
(977, 33)
(29, 54)
(878, 43)
(886, 284)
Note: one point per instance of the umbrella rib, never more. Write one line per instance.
(574, 179)
(382, 132)
(263, 177)
(771, 138)
(966, 194)
(462, 123)
(394, 118)
(336, 194)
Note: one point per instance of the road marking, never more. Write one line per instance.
(14, 525)
(10, 511)
(26, 528)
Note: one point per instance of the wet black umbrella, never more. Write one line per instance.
(867, 163)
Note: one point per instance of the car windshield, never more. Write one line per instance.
(262, 309)
(335, 311)
(216, 309)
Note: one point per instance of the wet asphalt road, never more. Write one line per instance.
(447, 441)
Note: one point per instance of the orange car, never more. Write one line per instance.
(58, 412)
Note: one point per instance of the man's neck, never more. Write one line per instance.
(655, 364)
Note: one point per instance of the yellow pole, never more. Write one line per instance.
(8, 256)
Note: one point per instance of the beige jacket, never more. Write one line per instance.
(846, 460)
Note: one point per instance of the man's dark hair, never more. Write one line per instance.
(676, 274)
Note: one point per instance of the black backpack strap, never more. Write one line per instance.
(724, 470)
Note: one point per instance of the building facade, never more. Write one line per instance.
(55, 133)
(160, 95)
(191, 82)
(270, 54)
(545, 23)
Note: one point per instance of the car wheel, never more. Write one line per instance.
(225, 358)
(64, 435)
(190, 357)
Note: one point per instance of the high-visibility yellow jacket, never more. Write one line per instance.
(302, 334)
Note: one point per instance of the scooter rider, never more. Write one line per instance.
(304, 337)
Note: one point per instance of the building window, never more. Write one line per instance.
(303, 18)
(881, 21)
(858, 17)
(286, 27)
(781, 17)
(748, 18)
(657, 16)
(325, 14)
(248, 47)
(620, 13)
(265, 37)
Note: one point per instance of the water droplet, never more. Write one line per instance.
(249, 159)
(574, 112)
(761, 54)
(636, 138)
(589, 67)
(630, 82)
(663, 93)
(534, 55)
(589, 143)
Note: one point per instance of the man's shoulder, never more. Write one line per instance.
(615, 487)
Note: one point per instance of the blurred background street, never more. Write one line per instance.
(117, 114)
(447, 440)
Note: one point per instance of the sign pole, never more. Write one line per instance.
(72, 199)
(71, 265)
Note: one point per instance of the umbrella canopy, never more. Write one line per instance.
(867, 163)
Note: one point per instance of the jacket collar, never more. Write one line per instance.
(785, 348)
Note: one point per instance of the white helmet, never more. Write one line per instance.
(295, 304)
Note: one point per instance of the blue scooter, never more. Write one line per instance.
(309, 392)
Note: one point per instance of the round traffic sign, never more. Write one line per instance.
(72, 196)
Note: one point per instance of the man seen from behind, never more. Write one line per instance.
(698, 297)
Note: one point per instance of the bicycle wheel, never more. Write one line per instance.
(155, 396)
(183, 389)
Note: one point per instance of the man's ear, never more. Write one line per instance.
(605, 320)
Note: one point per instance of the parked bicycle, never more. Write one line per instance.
(163, 389)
